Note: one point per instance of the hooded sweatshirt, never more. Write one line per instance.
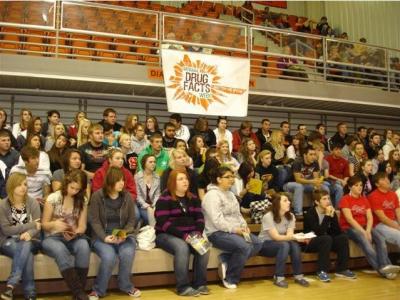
(138, 146)
(221, 211)
(100, 175)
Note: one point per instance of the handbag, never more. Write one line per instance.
(146, 238)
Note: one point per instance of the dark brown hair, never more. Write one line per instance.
(67, 156)
(28, 152)
(276, 207)
(318, 194)
(113, 175)
(80, 177)
(31, 126)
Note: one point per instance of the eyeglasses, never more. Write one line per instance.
(228, 177)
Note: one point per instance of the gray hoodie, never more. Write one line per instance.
(7, 229)
(138, 146)
(221, 211)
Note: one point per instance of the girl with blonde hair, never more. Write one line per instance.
(19, 230)
(83, 132)
(179, 159)
(224, 155)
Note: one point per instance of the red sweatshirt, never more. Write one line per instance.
(100, 175)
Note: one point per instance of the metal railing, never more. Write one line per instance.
(111, 33)
(247, 15)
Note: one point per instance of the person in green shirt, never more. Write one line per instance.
(155, 148)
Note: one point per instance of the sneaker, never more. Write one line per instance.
(389, 269)
(346, 274)
(7, 294)
(135, 293)
(323, 276)
(302, 282)
(203, 290)
(30, 298)
(229, 285)
(222, 269)
(93, 296)
(190, 292)
(281, 283)
(390, 276)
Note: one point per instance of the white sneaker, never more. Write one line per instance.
(389, 269)
(222, 270)
(390, 276)
(229, 285)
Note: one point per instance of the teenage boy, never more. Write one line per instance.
(110, 117)
(385, 207)
(322, 220)
(338, 173)
(181, 131)
(38, 181)
(156, 148)
(307, 178)
(94, 152)
(169, 135)
(8, 158)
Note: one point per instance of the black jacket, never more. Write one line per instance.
(261, 137)
(329, 225)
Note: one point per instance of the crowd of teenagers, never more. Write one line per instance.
(89, 186)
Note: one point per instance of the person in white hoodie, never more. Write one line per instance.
(139, 141)
(226, 228)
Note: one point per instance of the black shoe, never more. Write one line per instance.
(203, 290)
(190, 292)
(302, 282)
(7, 294)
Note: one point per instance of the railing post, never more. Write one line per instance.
(387, 59)
(12, 107)
(249, 36)
(57, 24)
(160, 35)
(325, 55)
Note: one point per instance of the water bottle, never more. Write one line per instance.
(199, 243)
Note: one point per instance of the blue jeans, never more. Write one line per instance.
(389, 234)
(283, 176)
(236, 251)
(181, 252)
(336, 192)
(281, 250)
(377, 257)
(298, 190)
(143, 215)
(22, 255)
(108, 254)
(67, 254)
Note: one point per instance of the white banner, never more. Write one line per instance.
(197, 83)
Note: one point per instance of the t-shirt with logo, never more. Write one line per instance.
(387, 202)
(93, 157)
(358, 207)
(131, 162)
(299, 166)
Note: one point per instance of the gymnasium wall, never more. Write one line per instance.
(377, 21)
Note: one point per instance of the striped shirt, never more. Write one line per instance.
(178, 217)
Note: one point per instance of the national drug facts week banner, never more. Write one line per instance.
(205, 84)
